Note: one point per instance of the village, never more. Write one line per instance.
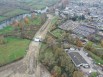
(61, 40)
(85, 22)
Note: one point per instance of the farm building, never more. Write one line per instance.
(69, 25)
(78, 60)
(84, 30)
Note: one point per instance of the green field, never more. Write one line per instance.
(57, 33)
(96, 58)
(14, 49)
(38, 6)
(2, 18)
(94, 52)
(15, 12)
(6, 29)
(16, 7)
(55, 19)
(36, 21)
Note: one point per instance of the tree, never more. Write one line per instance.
(58, 52)
(79, 43)
(52, 76)
(26, 20)
(78, 74)
(55, 46)
(57, 61)
(15, 23)
(102, 43)
(53, 28)
(71, 39)
(20, 25)
(63, 61)
(21, 29)
(43, 17)
(2, 39)
(94, 74)
(89, 46)
(57, 71)
(64, 34)
(50, 41)
(64, 75)
(47, 58)
(33, 16)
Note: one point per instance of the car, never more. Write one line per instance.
(86, 54)
(72, 49)
(87, 66)
(36, 39)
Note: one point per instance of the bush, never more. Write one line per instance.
(2, 39)
(57, 61)
(93, 74)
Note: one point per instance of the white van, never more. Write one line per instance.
(36, 39)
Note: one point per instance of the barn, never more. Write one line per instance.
(84, 30)
(78, 60)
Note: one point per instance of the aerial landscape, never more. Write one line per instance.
(51, 38)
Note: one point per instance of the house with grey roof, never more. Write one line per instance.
(84, 30)
(77, 59)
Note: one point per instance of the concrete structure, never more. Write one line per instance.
(78, 60)
(84, 30)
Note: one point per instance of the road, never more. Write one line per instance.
(94, 67)
(30, 65)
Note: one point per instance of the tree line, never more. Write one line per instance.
(57, 60)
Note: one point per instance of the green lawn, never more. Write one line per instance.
(36, 21)
(57, 33)
(97, 46)
(38, 6)
(2, 18)
(96, 58)
(14, 49)
(55, 19)
(94, 74)
(7, 11)
(14, 12)
(6, 29)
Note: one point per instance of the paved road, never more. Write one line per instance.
(29, 66)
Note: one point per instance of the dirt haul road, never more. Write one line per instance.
(29, 66)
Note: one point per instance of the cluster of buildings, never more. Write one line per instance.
(84, 30)
(85, 19)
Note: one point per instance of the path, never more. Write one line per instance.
(29, 66)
